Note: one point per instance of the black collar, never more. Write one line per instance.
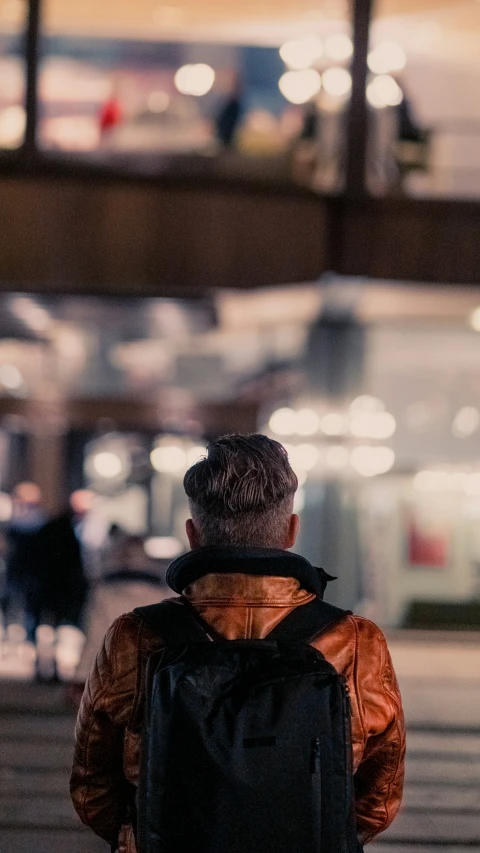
(247, 560)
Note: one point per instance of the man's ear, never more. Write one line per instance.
(293, 528)
(192, 534)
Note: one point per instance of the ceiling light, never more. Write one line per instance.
(339, 47)
(384, 91)
(371, 461)
(298, 87)
(372, 425)
(307, 422)
(337, 82)
(304, 456)
(195, 79)
(386, 57)
(301, 53)
(283, 422)
(333, 424)
(107, 465)
(367, 403)
(195, 454)
(466, 422)
(168, 459)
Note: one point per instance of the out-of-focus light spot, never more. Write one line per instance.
(336, 457)
(386, 57)
(307, 422)
(30, 312)
(107, 464)
(428, 481)
(337, 82)
(339, 47)
(299, 501)
(475, 319)
(333, 424)
(13, 121)
(168, 459)
(372, 425)
(299, 86)
(195, 454)
(301, 53)
(304, 457)
(371, 461)
(466, 422)
(383, 91)
(367, 403)
(158, 102)
(283, 421)
(5, 507)
(194, 79)
(10, 376)
(163, 547)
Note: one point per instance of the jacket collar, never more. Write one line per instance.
(246, 560)
(240, 590)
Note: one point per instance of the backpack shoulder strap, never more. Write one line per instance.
(306, 621)
(176, 621)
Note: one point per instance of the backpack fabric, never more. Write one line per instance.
(247, 745)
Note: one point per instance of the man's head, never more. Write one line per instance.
(241, 493)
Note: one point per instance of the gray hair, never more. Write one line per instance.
(241, 493)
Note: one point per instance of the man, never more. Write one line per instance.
(241, 579)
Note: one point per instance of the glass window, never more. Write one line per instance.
(12, 73)
(423, 98)
(266, 81)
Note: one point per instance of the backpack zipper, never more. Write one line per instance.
(315, 756)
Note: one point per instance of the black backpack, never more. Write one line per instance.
(247, 743)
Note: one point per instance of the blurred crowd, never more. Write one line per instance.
(65, 579)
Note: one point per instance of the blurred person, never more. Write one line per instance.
(65, 581)
(305, 147)
(238, 582)
(130, 579)
(230, 114)
(24, 593)
(111, 113)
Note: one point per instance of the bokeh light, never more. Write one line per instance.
(337, 82)
(298, 87)
(195, 79)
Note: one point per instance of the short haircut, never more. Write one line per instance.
(241, 493)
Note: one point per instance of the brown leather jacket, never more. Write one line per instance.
(238, 606)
